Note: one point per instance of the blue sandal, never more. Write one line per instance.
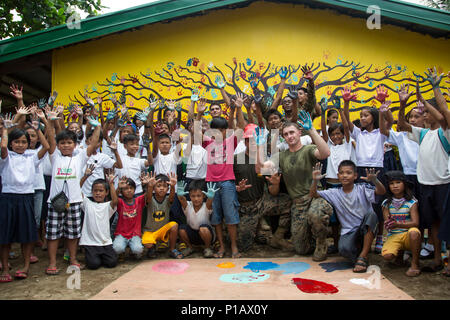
(176, 254)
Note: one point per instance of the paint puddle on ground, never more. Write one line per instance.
(314, 286)
(293, 267)
(170, 267)
(334, 266)
(244, 277)
(260, 266)
(226, 265)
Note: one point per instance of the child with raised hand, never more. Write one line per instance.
(198, 230)
(369, 146)
(158, 228)
(129, 207)
(17, 221)
(432, 171)
(401, 219)
(95, 235)
(64, 217)
(353, 205)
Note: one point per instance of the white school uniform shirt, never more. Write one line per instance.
(408, 150)
(338, 153)
(101, 161)
(196, 219)
(369, 147)
(132, 168)
(432, 162)
(39, 182)
(18, 172)
(96, 231)
(165, 164)
(196, 165)
(142, 153)
(47, 165)
(69, 169)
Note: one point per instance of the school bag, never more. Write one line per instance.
(443, 139)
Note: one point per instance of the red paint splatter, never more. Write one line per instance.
(313, 286)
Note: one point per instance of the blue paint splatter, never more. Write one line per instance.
(244, 277)
(293, 267)
(333, 266)
(258, 266)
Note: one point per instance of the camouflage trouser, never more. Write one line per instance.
(309, 222)
(250, 213)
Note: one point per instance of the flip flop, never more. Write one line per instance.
(176, 254)
(33, 259)
(413, 272)
(187, 251)
(79, 265)
(52, 271)
(362, 262)
(5, 278)
(236, 255)
(21, 274)
(219, 254)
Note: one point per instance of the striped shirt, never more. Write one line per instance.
(401, 215)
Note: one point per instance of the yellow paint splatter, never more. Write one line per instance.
(226, 265)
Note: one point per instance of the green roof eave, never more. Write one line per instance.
(118, 21)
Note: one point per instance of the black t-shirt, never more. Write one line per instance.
(248, 171)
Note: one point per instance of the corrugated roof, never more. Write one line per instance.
(412, 16)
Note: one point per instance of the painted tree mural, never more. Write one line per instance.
(178, 83)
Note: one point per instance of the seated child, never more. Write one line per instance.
(353, 205)
(158, 227)
(198, 229)
(95, 235)
(401, 216)
(128, 230)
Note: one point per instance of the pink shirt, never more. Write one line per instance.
(220, 159)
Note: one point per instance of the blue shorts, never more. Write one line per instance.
(225, 203)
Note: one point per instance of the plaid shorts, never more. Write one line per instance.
(67, 223)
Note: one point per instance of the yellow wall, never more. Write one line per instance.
(280, 34)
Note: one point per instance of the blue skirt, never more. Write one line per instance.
(17, 222)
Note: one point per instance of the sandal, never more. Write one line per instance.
(5, 278)
(236, 255)
(78, 265)
(219, 254)
(176, 254)
(151, 253)
(362, 262)
(208, 253)
(187, 251)
(413, 272)
(433, 267)
(33, 259)
(21, 274)
(52, 271)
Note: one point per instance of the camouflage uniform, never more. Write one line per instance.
(309, 226)
(249, 214)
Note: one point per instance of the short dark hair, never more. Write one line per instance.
(273, 111)
(347, 163)
(335, 126)
(219, 123)
(15, 134)
(197, 185)
(305, 90)
(91, 132)
(162, 177)
(131, 183)
(130, 138)
(66, 135)
(331, 112)
(164, 136)
(102, 182)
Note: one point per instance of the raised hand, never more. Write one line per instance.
(336, 102)
(8, 121)
(283, 72)
(173, 179)
(89, 170)
(110, 177)
(52, 114)
(371, 175)
(141, 116)
(418, 93)
(113, 145)
(404, 94)
(274, 178)
(99, 99)
(307, 73)
(305, 120)
(123, 182)
(89, 100)
(40, 114)
(253, 81)
(219, 82)
(171, 105)
(153, 104)
(194, 96)
(201, 106)
(260, 136)
(317, 172)
(41, 103)
(381, 94)
(23, 110)
(52, 98)
(239, 100)
(420, 107)
(59, 108)
(347, 94)
(93, 121)
(211, 190)
(111, 114)
(178, 106)
(242, 185)
(180, 189)
(16, 92)
(323, 105)
(145, 178)
(433, 77)
(385, 106)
